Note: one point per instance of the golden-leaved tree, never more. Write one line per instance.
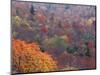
(27, 57)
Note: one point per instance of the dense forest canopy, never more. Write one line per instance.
(65, 32)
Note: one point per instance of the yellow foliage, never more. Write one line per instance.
(89, 22)
(16, 20)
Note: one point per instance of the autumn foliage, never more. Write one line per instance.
(52, 37)
(27, 57)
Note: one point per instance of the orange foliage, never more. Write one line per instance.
(27, 57)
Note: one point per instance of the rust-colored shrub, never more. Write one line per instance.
(27, 57)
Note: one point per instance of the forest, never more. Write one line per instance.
(49, 37)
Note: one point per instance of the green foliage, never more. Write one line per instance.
(86, 49)
(72, 49)
(15, 34)
(56, 42)
(59, 42)
(88, 36)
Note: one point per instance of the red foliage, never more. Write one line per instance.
(41, 17)
(86, 62)
(44, 29)
(90, 44)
